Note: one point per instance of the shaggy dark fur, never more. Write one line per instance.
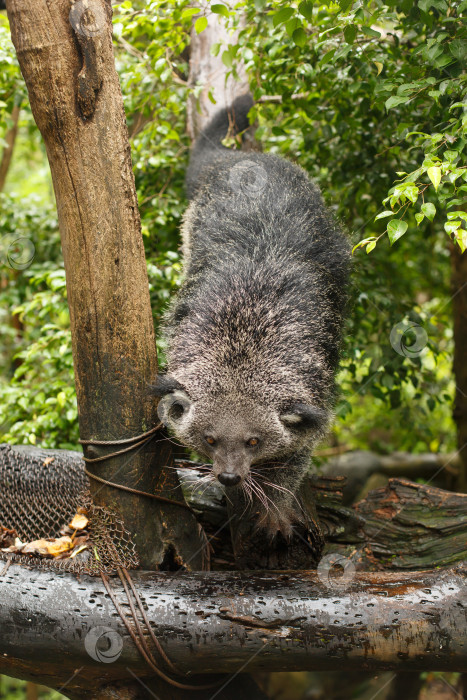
(254, 333)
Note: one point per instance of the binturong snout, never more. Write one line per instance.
(229, 479)
(230, 471)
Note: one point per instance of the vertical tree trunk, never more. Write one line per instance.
(66, 57)
(209, 72)
(459, 304)
(10, 139)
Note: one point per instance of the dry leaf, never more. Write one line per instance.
(49, 548)
(79, 522)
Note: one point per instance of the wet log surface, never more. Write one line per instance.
(222, 622)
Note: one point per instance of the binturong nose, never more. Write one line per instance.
(229, 479)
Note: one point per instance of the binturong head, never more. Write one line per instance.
(235, 431)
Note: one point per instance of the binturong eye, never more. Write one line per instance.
(210, 440)
(252, 442)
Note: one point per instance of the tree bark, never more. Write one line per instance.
(226, 622)
(459, 307)
(359, 465)
(10, 139)
(67, 62)
(209, 73)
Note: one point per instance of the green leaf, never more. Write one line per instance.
(350, 32)
(345, 4)
(451, 226)
(396, 229)
(411, 192)
(461, 237)
(190, 11)
(396, 100)
(220, 10)
(434, 174)
(429, 210)
(379, 67)
(306, 9)
(299, 36)
(201, 24)
(450, 155)
(454, 214)
(282, 16)
(384, 214)
(458, 48)
(327, 57)
(368, 31)
(371, 246)
(363, 242)
(419, 218)
(292, 25)
(227, 59)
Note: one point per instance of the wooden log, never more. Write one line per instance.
(358, 465)
(66, 57)
(227, 622)
(410, 525)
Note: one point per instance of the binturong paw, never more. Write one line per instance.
(274, 521)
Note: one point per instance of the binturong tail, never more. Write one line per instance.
(208, 146)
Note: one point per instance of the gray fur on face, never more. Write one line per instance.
(254, 333)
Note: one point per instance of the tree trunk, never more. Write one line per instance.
(67, 61)
(10, 139)
(209, 73)
(459, 306)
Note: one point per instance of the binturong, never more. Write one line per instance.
(253, 335)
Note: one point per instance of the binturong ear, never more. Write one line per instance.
(173, 408)
(300, 416)
(164, 384)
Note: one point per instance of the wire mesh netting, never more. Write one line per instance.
(39, 495)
